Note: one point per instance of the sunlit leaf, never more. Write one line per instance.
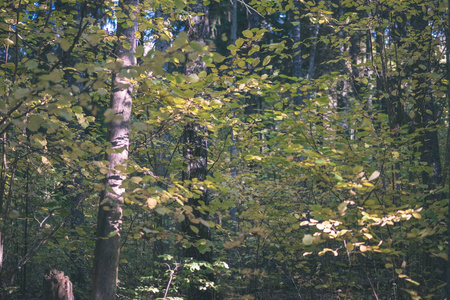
(307, 239)
(374, 175)
(151, 203)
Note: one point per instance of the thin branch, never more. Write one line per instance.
(220, 153)
(371, 285)
(249, 8)
(44, 241)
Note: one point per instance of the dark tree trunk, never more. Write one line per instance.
(448, 152)
(426, 111)
(254, 101)
(313, 52)
(196, 156)
(234, 21)
(109, 221)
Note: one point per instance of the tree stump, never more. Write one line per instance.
(57, 286)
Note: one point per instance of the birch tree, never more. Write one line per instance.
(107, 248)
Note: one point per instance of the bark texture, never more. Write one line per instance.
(107, 247)
(426, 110)
(196, 156)
(448, 153)
(57, 286)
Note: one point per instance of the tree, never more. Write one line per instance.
(107, 249)
(341, 198)
(195, 152)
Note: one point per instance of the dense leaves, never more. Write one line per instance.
(323, 129)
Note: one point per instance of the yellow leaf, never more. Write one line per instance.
(136, 179)
(349, 246)
(44, 160)
(8, 41)
(412, 281)
(151, 203)
(247, 33)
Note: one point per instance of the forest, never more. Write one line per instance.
(224, 149)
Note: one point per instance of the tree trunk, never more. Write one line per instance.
(233, 149)
(297, 55)
(254, 102)
(425, 108)
(195, 155)
(57, 286)
(313, 52)
(109, 220)
(448, 151)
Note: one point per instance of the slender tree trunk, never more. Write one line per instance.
(233, 34)
(196, 156)
(107, 247)
(233, 149)
(254, 102)
(448, 148)
(297, 55)
(313, 52)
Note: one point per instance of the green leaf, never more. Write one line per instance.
(307, 239)
(247, 33)
(65, 44)
(34, 122)
(196, 46)
(338, 177)
(239, 42)
(194, 229)
(349, 246)
(139, 51)
(357, 169)
(179, 4)
(22, 93)
(55, 76)
(266, 60)
(14, 214)
(32, 64)
(193, 78)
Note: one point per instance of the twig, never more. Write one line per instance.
(172, 274)
(249, 8)
(41, 244)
